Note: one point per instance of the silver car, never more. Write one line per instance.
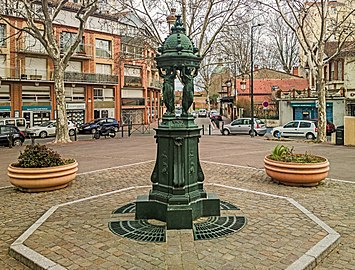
(297, 128)
(243, 126)
(48, 128)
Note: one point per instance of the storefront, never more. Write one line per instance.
(5, 111)
(309, 110)
(104, 104)
(76, 112)
(36, 114)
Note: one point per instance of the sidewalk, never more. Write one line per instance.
(283, 223)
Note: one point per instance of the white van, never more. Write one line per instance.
(18, 122)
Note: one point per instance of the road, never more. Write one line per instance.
(238, 150)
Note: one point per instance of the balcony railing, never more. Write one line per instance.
(47, 75)
(90, 77)
(156, 84)
(82, 51)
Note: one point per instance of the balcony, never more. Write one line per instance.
(155, 84)
(47, 75)
(77, 77)
(83, 51)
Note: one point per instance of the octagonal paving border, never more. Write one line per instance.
(308, 260)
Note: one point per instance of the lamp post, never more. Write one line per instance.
(252, 79)
(229, 84)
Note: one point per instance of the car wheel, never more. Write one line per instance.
(71, 132)
(276, 134)
(310, 136)
(226, 132)
(43, 134)
(116, 129)
(93, 131)
(17, 142)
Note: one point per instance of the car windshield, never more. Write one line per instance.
(44, 124)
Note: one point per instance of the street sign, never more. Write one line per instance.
(265, 104)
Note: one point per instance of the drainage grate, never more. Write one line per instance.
(228, 206)
(216, 227)
(139, 230)
(131, 208)
(128, 208)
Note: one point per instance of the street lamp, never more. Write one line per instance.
(252, 79)
(229, 84)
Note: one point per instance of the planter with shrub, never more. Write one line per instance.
(40, 168)
(288, 168)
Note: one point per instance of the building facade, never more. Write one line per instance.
(98, 81)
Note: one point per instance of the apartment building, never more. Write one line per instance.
(99, 82)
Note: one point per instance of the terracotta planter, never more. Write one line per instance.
(42, 179)
(296, 174)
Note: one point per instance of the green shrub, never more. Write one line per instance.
(40, 156)
(285, 154)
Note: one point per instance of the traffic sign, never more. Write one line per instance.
(265, 104)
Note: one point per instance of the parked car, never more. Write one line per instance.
(297, 128)
(48, 128)
(18, 137)
(91, 127)
(330, 126)
(214, 116)
(202, 113)
(243, 126)
(21, 123)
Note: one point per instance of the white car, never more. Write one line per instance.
(297, 128)
(48, 128)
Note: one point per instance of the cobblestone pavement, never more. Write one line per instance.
(276, 234)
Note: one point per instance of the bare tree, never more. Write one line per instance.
(284, 44)
(203, 19)
(40, 18)
(316, 22)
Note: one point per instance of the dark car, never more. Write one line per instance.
(330, 127)
(6, 132)
(91, 127)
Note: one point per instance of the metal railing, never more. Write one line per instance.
(47, 75)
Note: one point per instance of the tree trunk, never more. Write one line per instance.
(62, 132)
(322, 120)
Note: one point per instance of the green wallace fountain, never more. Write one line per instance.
(177, 196)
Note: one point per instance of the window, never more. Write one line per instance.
(36, 68)
(131, 51)
(74, 66)
(4, 93)
(291, 125)
(35, 93)
(103, 48)
(132, 76)
(2, 35)
(74, 93)
(32, 44)
(340, 71)
(305, 125)
(2, 66)
(103, 69)
(246, 122)
(103, 94)
(68, 38)
(237, 122)
(331, 71)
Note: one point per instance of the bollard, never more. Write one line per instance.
(33, 140)
(209, 129)
(122, 130)
(9, 138)
(75, 136)
(129, 128)
(203, 129)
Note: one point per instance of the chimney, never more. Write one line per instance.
(256, 67)
(295, 71)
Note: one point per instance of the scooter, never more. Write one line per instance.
(105, 131)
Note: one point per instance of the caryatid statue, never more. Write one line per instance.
(169, 88)
(187, 76)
